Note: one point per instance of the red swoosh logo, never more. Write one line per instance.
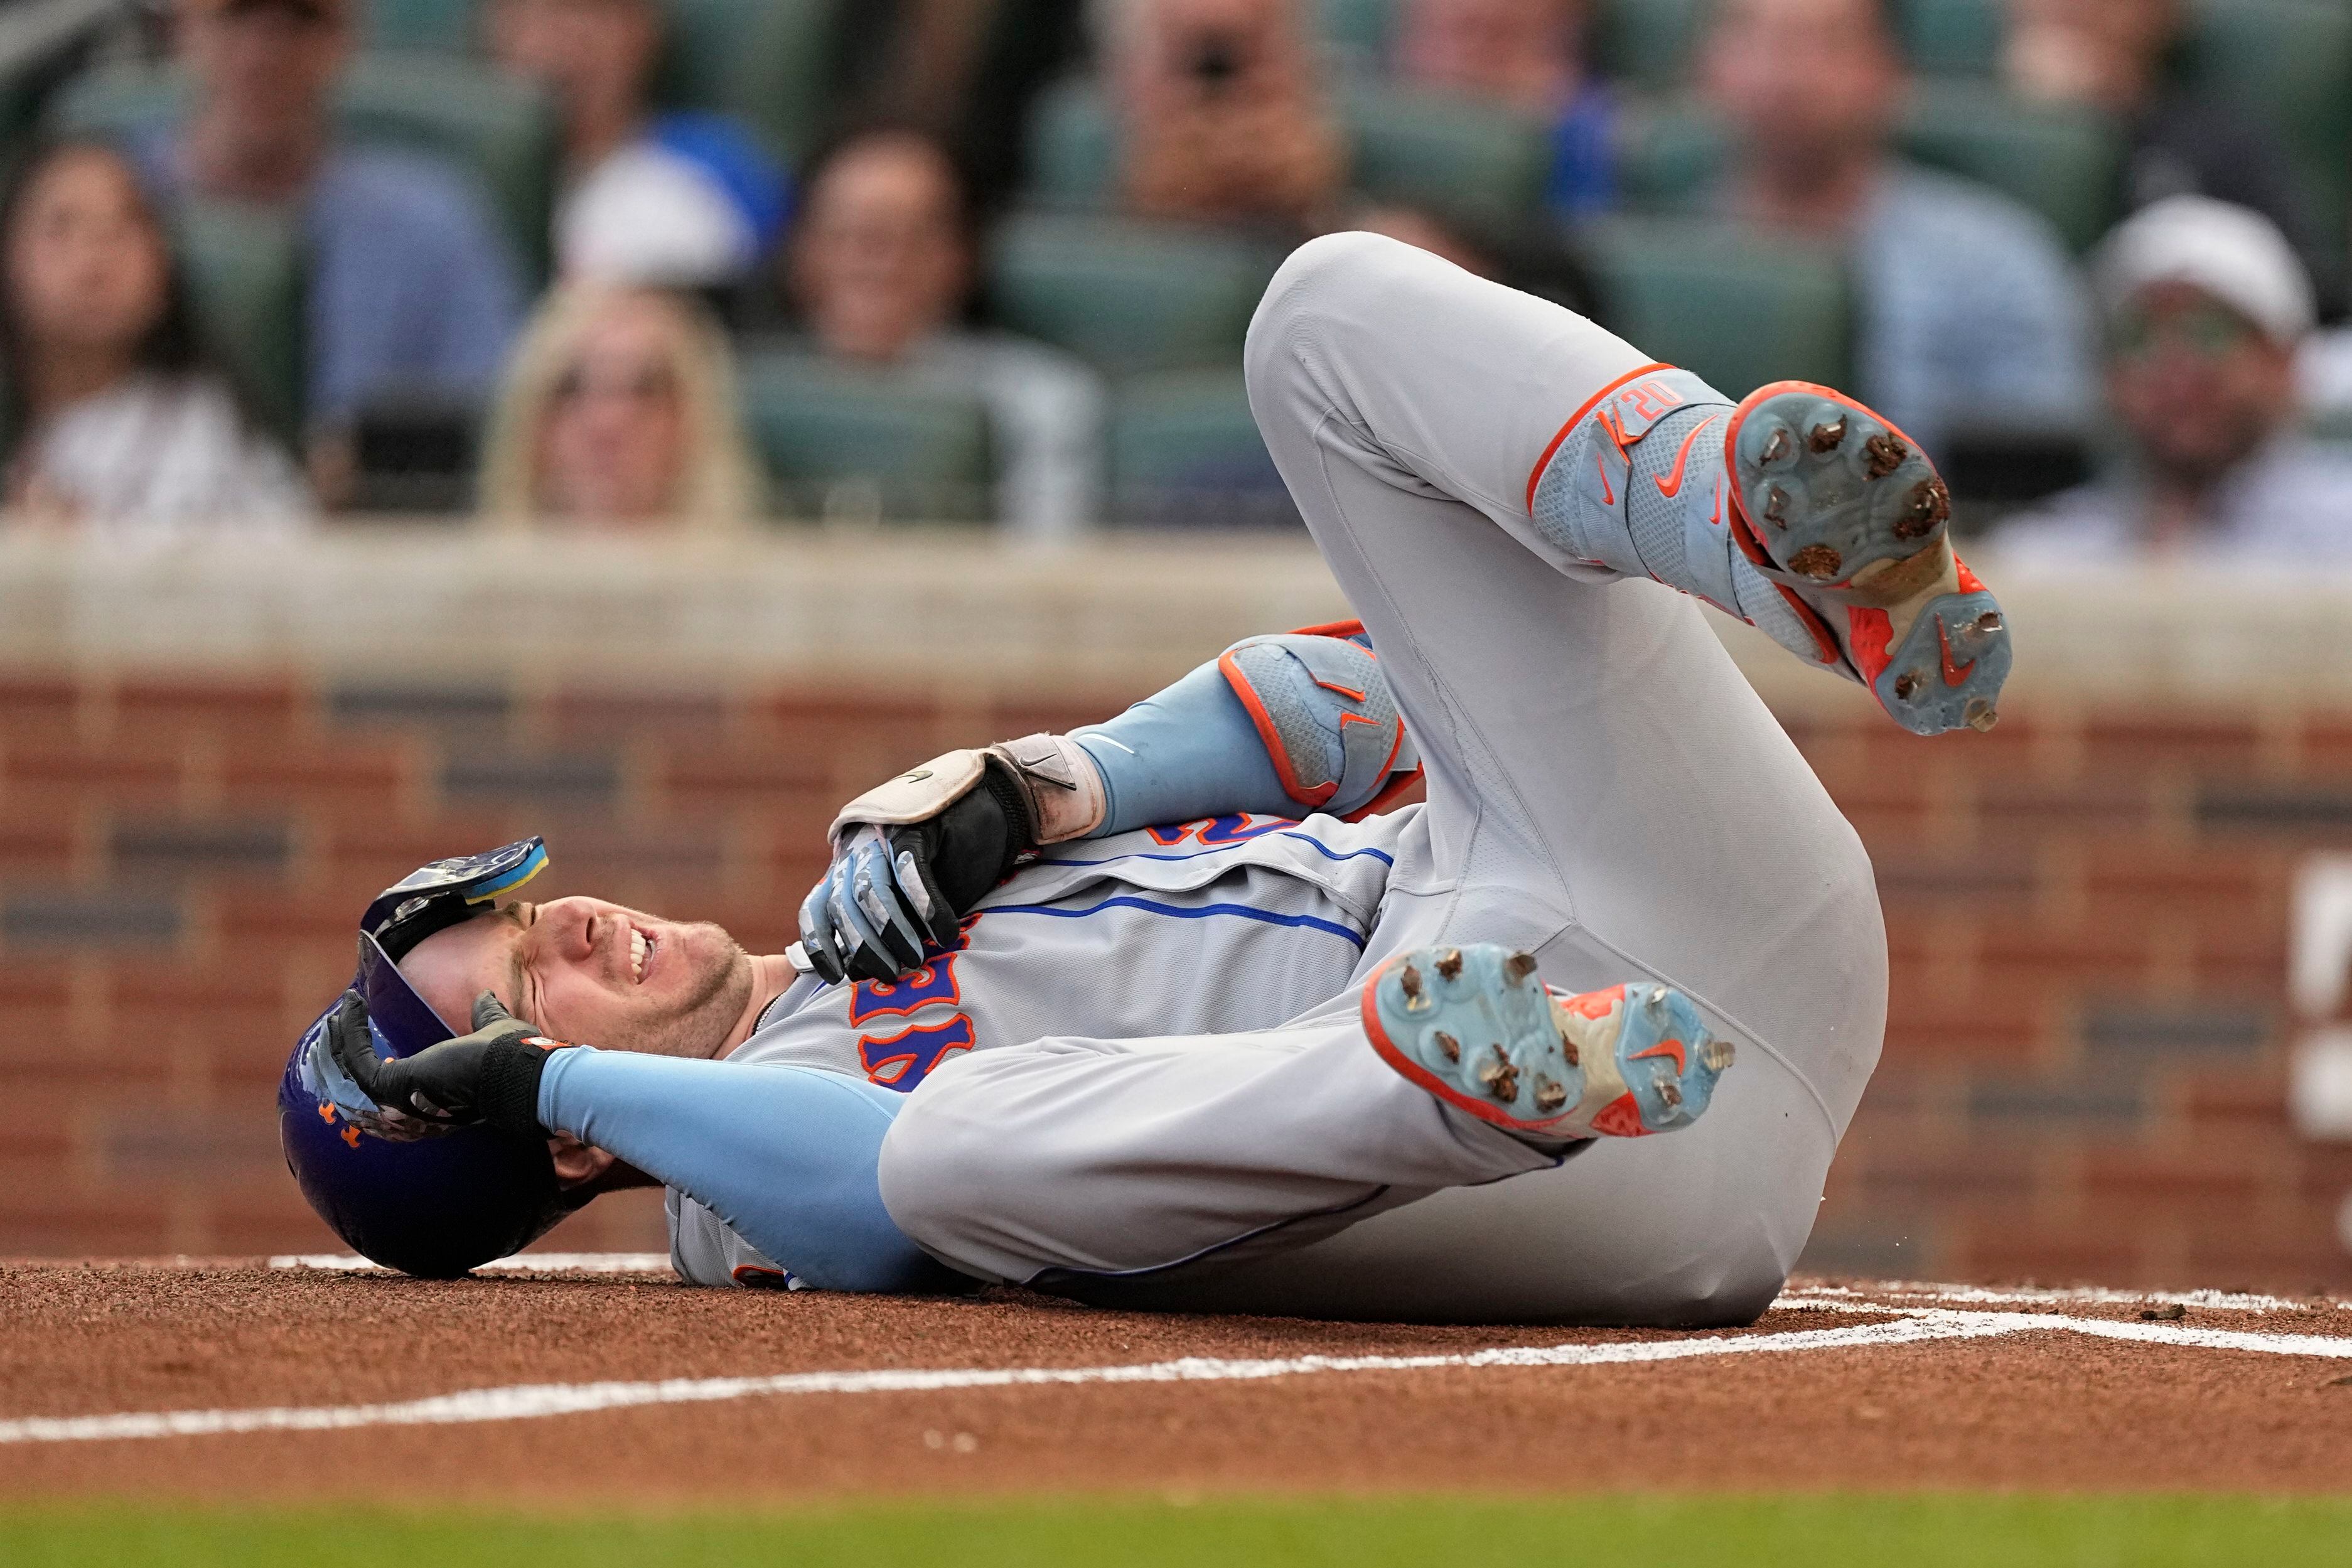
(1953, 675)
(1670, 485)
(1608, 494)
(1665, 1049)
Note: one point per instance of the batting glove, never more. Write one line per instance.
(489, 1076)
(912, 856)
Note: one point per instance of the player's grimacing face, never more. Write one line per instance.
(591, 973)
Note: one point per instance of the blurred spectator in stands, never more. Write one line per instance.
(121, 423)
(881, 271)
(1968, 303)
(1225, 119)
(2116, 56)
(685, 199)
(411, 292)
(2205, 306)
(620, 410)
(1527, 55)
(967, 70)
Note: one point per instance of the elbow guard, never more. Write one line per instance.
(1326, 716)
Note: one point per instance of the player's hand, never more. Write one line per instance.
(890, 891)
(912, 856)
(490, 1076)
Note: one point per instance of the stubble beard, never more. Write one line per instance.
(700, 1023)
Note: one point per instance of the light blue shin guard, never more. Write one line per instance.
(1639, 486)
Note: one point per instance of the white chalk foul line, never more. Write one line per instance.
(1906, 1291)
(532, 1401)
(520, 1263)
(523, 1402)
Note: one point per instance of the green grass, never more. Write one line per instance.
(1923, 1531)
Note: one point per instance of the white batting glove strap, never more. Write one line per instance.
(1062, 783)
(916, 795)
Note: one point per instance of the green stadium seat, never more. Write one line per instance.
(840, 440)
(406, 25)
(1185, 452)
(244, 269)
(1453, 155)
(2288, 62)
(2065, 164)
(1668, 154)
(1073, 150)
(1654, 43)
(1357, 31)
(459, 110)
(1456, 154)
(1952, 38)
(771, 63)
(1125, 294)
(1737, 307)
(1649, 43)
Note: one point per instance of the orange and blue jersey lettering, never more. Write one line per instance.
(1217, 830)
(904, 1059)
(907, 996)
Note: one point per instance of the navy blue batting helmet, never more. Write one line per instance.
(435, 1206)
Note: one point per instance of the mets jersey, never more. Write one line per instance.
(1100, 939)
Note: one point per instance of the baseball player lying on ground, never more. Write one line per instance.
(1401, 1066)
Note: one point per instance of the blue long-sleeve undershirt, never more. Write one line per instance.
(1188, 752)
(786, 1155)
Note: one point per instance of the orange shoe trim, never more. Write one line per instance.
(1577, 418)
(1621, 1118)
(1952, 675)
(1872, 633)
(1751, 543)
(1669, 1047)
(1423, 1079)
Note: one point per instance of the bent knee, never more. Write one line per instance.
(1309, 297)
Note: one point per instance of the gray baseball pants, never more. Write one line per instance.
(1604, 789)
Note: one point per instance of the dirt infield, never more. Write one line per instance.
(249, 1381)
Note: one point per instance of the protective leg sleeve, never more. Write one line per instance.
(1637, 483)
(1279, 726)
(1325, 714)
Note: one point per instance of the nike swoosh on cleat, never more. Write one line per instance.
(1716, 517)
(1607, 492)
(1953, 675)
(1670, 485)
(1668, 1048)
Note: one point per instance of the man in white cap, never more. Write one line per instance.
(2205, 308)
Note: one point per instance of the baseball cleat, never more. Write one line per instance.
(1796, 509)
(1843, 512)
(1475, 1026)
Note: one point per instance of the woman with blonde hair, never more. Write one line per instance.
(619, 408)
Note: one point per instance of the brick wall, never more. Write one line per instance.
(2084, 1074)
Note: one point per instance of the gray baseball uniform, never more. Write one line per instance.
(1175, 1106)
